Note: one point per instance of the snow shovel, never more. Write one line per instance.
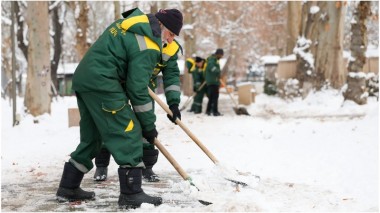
(177, 167)
(192, 97)
(189, 133)
(238, 110)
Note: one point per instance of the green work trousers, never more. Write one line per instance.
(198, 100)
(146, 144)
(107, 118)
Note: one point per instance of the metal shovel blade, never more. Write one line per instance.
(241, 111)
(237, 182)
(205, 202)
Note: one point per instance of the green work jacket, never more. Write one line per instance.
(127, 52)
(199, 76)
(212, 71)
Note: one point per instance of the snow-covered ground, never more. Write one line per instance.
(317, 154)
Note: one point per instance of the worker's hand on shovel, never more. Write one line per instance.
(176, 113)
(150, 135)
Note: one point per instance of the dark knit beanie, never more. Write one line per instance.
(198, 59)
(219, 52)
(171, 19)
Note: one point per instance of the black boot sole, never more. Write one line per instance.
(61, 199)
(136, 200)
(71, 195)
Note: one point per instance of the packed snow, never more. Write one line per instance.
(315, 154)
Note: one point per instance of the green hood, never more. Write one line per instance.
(148, 26)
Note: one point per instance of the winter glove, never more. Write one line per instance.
(196, 87)
(150, 135)
(176, 113)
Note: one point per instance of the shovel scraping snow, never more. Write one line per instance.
(238, 110)
(188, 132)
(177, 167)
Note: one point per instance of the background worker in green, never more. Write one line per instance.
(170, 72)
(212, 81)
(127, 51)
(199, 79)
(191, 66)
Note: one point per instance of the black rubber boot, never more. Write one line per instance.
(69, 189)
(102, 160)
(191, 109)
(100, 173)
(217, 114)
(215, 109)
(208, 109)
(131, 193)
(150, 158)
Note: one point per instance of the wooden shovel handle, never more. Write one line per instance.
(170, 158)
(233, 100)
(191, 97)
(179, 122)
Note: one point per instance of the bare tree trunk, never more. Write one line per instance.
(57, 39)
(320, 53)
(14, 102)
(116, 5)
(38, 85)
(162, 5)
(82, 26)
(305, 66)
(328, 53)
(294, 22)
(20, 30)
(356, 86)
(153, 7)
(189, 37)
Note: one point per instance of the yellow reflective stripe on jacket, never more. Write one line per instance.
(127, 23)
(146, 43)
(192, 61)
(151, 44)
(169, 50)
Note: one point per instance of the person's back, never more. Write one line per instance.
(103, 66)
(212, 71)
(213, 81)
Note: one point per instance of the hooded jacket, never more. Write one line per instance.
(127, 51)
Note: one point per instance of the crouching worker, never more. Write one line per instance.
(127, 51)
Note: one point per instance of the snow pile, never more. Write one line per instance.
(316, 154)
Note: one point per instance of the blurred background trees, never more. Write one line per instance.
(318, 33)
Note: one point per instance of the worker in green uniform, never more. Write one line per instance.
(127, 51)
(199, 79)
(213, 82)
(191, 65)
(170, 73)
